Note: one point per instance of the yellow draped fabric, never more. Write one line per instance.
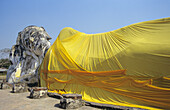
(129, 66)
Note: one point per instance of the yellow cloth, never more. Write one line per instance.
(18, 71)
(129, 66)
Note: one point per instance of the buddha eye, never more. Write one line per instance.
(33, 35)
(40, 36)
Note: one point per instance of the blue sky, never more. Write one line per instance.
(89, 16)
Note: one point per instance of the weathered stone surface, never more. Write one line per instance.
(71, 101)
(26, 56)
(38, 92)
(68, 103)
(19, 88)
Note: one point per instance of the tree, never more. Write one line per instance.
(5, 63)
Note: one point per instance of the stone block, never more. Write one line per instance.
(71, 101)
(72, 96)
(55, 95)
(19, 87)
(5, 85)
(38, 92)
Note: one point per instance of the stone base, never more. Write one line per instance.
(38, 92)
(72, 96)
(5, 85)
(19, 88)
(55, 95)
(71, 101)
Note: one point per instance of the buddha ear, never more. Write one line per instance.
(48, 37)
(31, 39)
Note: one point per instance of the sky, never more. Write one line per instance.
(88, 16)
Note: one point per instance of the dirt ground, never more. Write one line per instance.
(20, 101)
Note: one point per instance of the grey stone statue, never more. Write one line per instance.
(26, 56)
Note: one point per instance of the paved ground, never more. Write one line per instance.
(20, 101)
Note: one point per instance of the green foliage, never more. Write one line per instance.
(4, 63)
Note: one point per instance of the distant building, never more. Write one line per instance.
(3, 70)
